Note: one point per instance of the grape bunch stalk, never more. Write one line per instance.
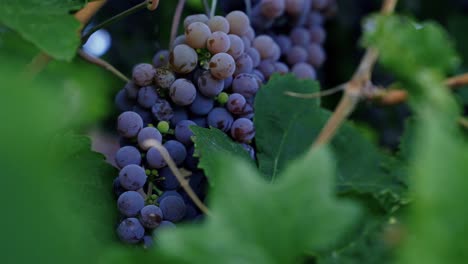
(208, 78)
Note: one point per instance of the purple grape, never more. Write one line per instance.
(284, 43)
(304, 71)
(297, 54)
(161, 59)
(148, 242)
(191, 162)
(122, 102)
(244, 64)
(145, 114)
(316, 55)
(132, 177)
(183, 133)
(173, 208)
(267, 68)
(127, 155)
(176, 150)
(236, 103)
(243, 130)
(200, 121)
(130, 203)
(143, 74)
(281, 68)
(131, 90)
(183, 92)
(117, 187)
(147, 96)
(164, 78)
(249, 149)
(170, 181)
(130, 231)
(202, 105)
(254, 56)
(220, 118)
(209, 86)
(151, 216)
(129, 124)
(180, 114)
(300, 36)
(245, 84)
(317, 34)
(162, 110)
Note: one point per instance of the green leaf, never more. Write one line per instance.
(254, 221)
(286, 128)
(46, 23)
(422, 45)
(209, 144)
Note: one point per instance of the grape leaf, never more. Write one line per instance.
(438, 221)
(59, 195)
(254, 221)
(421, 44)
(212, 142)
(286, 127)
(46, 23)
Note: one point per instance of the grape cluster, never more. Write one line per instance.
(208, 78)
(297, 27)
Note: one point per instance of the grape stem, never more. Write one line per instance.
(248, 7)
(41, 60)
(207, 7)
(180, 177)
(176, 21)
(115, 18)
(213, 8)
(328, 92)
(354, 89)
(103, 64)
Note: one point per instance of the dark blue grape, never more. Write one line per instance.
(179, 114)
(151, 216)
(130, 203)
(191, 162)
(170, 181)
(130, 231)
(147, 96)
(164, 78)
(220, 118)
(143, 74)
(155, 159)
(200, 121)
(122, 102)
(183, 133)
(202, 105)
(183, 92)
(209, 86)
(249, 149)
(236, 103)
(173, 208)
(244, 64)
(131, 90)
(129, 124)
(167, 194)
(132, 177)
(145, 114)
(176, 150)
(161, 59)
(117, 187)
(243, 130)
(162, 110)
(127, 155)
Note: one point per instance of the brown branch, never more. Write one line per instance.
(398, 96)
(103, 64)
(85, 14)
(180, 177)
(176, 21)
(354, 89)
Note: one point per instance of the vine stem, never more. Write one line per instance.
(180, 177)
(353, 89)
(213, 8)
(176, 21)
(398, 96)
(103, 64)
(41, 60)
(117, 17)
